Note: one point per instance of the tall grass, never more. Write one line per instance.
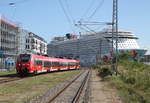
(132, 82)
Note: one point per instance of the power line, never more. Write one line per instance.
(97, 8)
(88, 9)
(67, 17)
(71, 16)
(68, 8)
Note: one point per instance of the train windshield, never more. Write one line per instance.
(24, 58)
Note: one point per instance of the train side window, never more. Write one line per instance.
(61, 64)
(55, 64)
(77, 64)
(72, 64)
(69, 64)
(47, 64)
(65, 64)
(37, 62)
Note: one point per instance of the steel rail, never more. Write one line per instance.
(5, 80)
(64, 88)
(9, 80)
(77, 96)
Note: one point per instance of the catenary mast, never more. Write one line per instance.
(115, 34)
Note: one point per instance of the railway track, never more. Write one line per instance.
(72, 92)
(5, 80)
(9, 79)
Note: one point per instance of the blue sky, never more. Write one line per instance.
(47, 19)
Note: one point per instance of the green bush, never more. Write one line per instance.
(104, 71)
(95, 66)
(133, 83)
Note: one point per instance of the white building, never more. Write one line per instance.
(15, 40)
(8, 42)
(31, 43)
(23, 35)
(36, 44)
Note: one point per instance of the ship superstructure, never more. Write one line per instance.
(127, 41)
(90, 46)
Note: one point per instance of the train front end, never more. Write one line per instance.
(23, 64)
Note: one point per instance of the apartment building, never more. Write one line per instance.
(8, 42)
(23, 35)
(15, 40)
(36, 44)
(29, 42)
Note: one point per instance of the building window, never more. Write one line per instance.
(27, 40)
(32, 41)
(33, 47)
(26, 46)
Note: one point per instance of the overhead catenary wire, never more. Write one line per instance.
(88, 9)
(68, 8)
(96, 9)
(83, 29)
(67, 16)
(97, 33)
(90, 30)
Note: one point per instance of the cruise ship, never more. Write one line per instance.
(127, 41)
(89, 47)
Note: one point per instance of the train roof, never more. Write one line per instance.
(55, 59)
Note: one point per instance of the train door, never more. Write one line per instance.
(42, 66)
(49, 66)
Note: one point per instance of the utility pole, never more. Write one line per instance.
(115, 35)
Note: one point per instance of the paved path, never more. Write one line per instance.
(101, 92)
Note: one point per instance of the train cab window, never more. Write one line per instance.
(37, 62)
(25, 58)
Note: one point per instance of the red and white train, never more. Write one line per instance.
(31, 63)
